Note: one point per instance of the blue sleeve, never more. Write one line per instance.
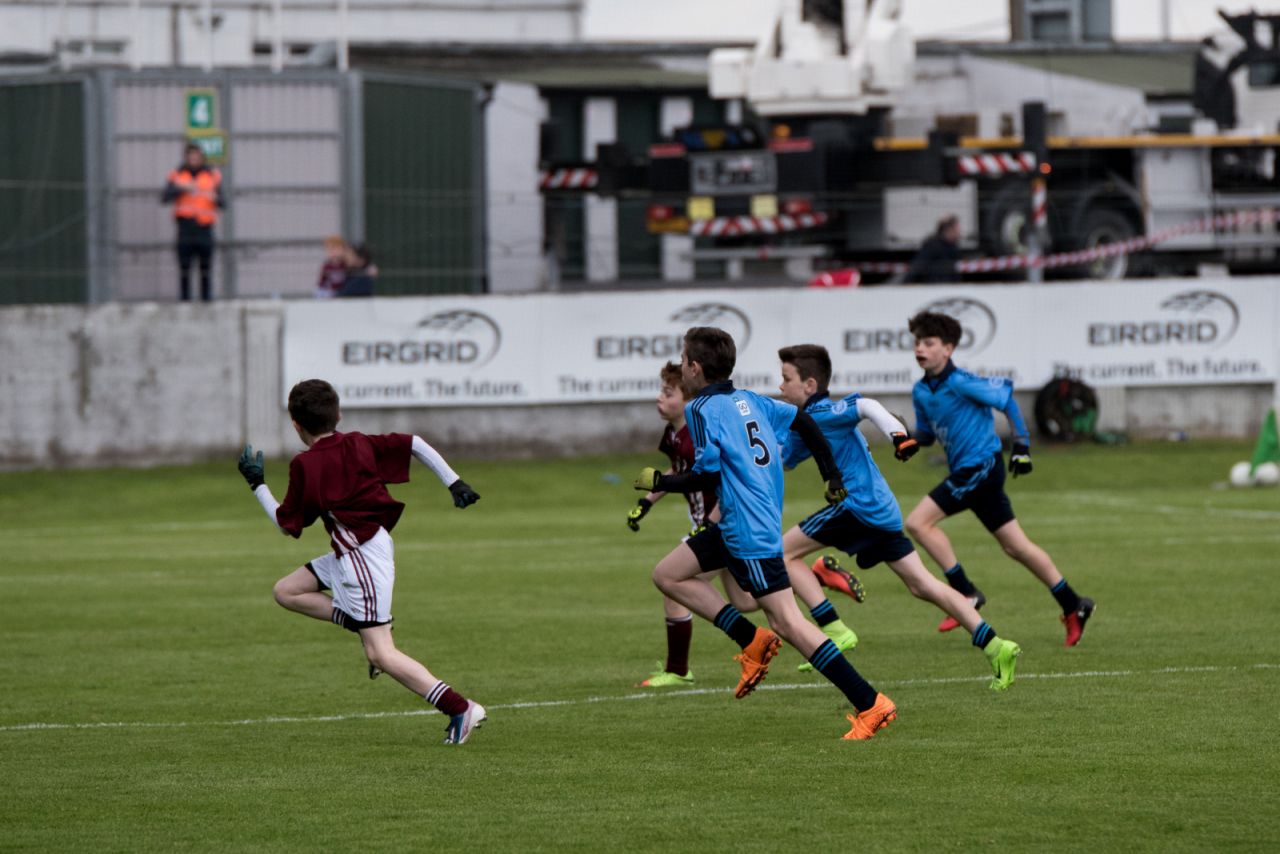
(781, 414)
(843, 413)
(995, 392)
(706, 450)
(924, 427)
(1014, 414)
(794, 452)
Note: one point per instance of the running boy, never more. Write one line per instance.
(867, 523)
(954, 407)
(735, 434)
(677, 444)
(340, 479)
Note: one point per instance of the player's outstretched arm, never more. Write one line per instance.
(463, 494)
(254, 473)
(643, 506)
(1020, 454)
(652, 480)
(811, 434)
(904, 447)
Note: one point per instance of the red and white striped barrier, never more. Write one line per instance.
(1084, 256)
(732, 226)
(996, 165)
(568, 179)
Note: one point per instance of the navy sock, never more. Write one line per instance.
(732, 623)
(1068, 599)
(828, 661)
(983, 635)
(824, 613)
(959, 581)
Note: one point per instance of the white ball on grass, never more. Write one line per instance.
(1267, 474)
(1240, 475)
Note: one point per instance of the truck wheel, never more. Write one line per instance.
(1100, 227)
(1006, 222)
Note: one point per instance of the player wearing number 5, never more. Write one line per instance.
(735, 434)
(341, 480)
(954, 407)
(195, 190)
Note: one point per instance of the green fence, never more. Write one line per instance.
(423, 158)
(43, 210)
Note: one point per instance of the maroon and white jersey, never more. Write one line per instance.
(678, 446)
(341, 480)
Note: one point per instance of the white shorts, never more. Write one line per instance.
(362, 579)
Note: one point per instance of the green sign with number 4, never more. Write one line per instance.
(200, 109)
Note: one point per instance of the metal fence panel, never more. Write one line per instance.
(43, 192)
(423, 156)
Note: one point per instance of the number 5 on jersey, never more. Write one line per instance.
(762, 458)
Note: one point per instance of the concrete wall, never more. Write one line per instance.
(150, 383)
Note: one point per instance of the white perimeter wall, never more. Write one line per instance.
(146, 383)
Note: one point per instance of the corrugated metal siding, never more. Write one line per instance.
(423, 187)
(43, 207)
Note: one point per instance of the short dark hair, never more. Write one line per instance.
(672, 375)
(364, 252)
(314, 405)
(191, 146)
(713, 349)
(931, 324)
(811, 361)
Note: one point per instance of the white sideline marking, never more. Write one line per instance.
(623, 698)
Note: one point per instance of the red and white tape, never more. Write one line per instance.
(568, 179)
(995, 165)
(731, 226)
(1224, 221)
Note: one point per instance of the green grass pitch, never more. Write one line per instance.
(156, 699)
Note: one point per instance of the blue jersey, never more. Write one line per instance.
(955, 406)
(735, 433)
(870, 498)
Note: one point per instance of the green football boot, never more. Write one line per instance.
(664, 679)
(841, 635)
(1003, 655)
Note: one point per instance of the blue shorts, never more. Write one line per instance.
(840, 528)
(978, 488)
(757, 576)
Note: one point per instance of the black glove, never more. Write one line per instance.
(1020, 459)
(637, 513)
(250, 465)
(904, 447)
(463, 495)
(835, 491)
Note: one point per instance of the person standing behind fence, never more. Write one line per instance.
(333, 273)
(195, 190)
(361, 273)
(936, 260)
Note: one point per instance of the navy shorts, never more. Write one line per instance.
(840, 528)
(757, 576)
(978, 488)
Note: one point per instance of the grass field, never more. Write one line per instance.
(156, 699)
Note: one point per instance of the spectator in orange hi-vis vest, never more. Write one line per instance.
(195, 189)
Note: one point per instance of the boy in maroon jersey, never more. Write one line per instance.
(341, 480)
(677, 444)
